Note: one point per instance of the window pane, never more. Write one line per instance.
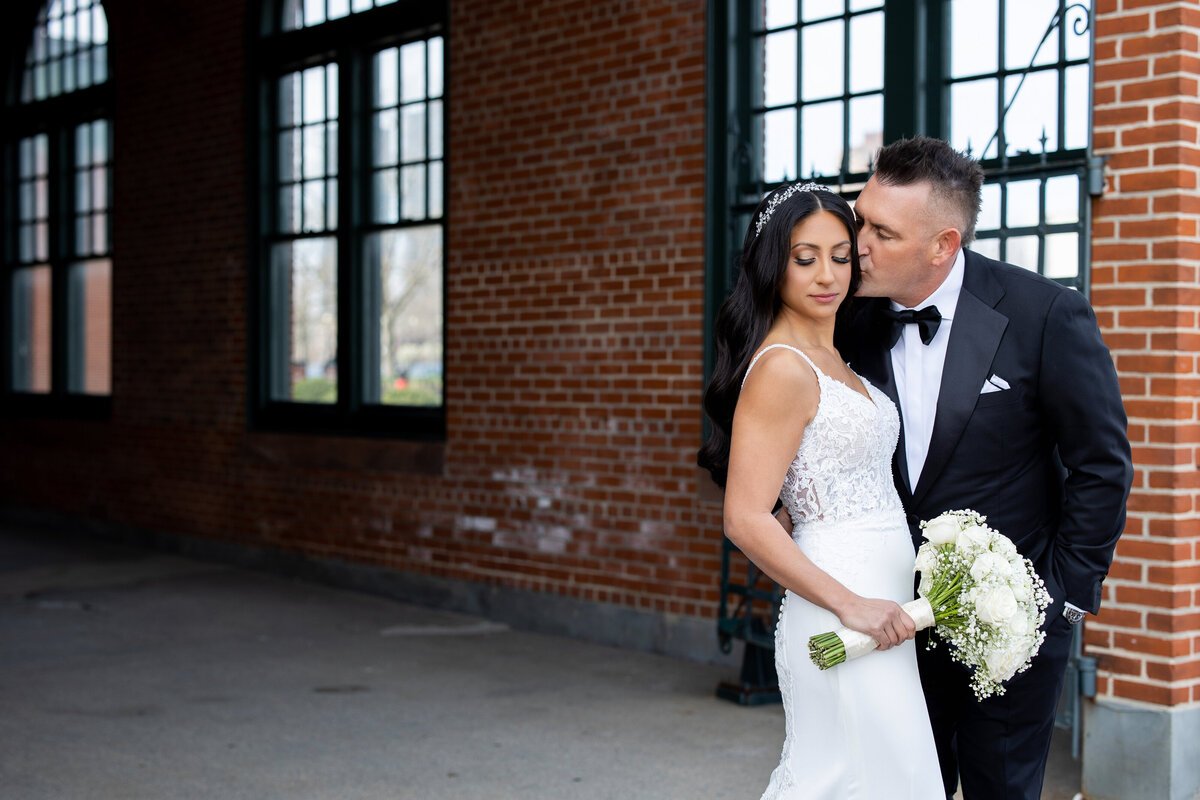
(823, 52)
(1022, 206)
(89, 314)
(779, 69)
(304, 280)
(866, 45)
(987, 247)
(30, 329)
(1023, 252)
(1078, 106)
(289, 155)
(314, 151)
(1062, 255)
(413, 192)
(436, 60)
(386, 149)
(989, 212)
(412, 72)
(407, 265)
(314, 94)
(385, 196)
(974, 38)
(314, 206)
(1024, 23)
(1032, 121)
(435, 190)
(1079, 37)
(1062, 199)
(338, 8)
(866, 131)
(435, 129)
(413, 136)
(973, 117)
(779, 145)
(780, 13)
(387, 71)
(821, 146)
(314, 12)
(819, 9)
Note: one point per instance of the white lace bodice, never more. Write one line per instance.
(843, 468)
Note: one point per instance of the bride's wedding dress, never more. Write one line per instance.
(858, 731)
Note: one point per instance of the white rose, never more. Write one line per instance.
(1018, 624)
(1020, 588)
(1004, 546)
(972, 539)
(1003, 664)
(989, 564)
(926, 559)
(997, 606)
(942, 530)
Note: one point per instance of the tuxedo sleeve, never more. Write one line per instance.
(1081, 401)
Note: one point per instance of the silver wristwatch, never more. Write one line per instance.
(1073, 615)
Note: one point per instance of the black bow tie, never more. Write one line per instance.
(927, 319)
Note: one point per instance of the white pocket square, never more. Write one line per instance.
(994, 384)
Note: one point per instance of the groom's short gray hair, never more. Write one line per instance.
(956, 178)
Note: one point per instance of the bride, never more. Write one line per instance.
(791, 421)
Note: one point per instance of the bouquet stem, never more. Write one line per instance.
(830, 649)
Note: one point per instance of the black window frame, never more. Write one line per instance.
(57, 117)
(350, 42)
(922, 29)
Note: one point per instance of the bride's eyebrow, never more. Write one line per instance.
(817, 246)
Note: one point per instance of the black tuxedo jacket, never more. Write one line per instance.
(1047, 460)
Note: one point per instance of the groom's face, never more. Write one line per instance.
(895, 242)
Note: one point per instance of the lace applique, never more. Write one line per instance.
(782, 781)
(843, 468)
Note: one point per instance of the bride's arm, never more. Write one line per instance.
(777, 402)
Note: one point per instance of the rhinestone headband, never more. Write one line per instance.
(781, 197)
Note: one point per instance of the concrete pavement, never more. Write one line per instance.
(132, 674)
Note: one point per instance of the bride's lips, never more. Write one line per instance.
(825, 298)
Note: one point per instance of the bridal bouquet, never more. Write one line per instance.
(977, 592)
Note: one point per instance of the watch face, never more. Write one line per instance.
(1073, 615)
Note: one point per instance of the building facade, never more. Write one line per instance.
(511, 429)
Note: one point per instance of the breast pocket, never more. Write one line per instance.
(999, 399)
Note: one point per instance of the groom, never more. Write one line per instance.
(1009, 406)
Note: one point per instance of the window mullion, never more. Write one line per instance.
(901, 69)
(349, 294)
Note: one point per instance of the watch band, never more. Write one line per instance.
(1073, 615)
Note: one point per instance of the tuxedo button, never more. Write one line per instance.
(914, 520)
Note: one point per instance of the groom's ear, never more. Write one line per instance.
(945, 246)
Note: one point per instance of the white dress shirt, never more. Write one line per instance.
(918, 370)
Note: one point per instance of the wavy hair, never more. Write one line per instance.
(748, 313)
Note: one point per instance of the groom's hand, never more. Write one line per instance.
(883, 620)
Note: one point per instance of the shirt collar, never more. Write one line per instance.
(945, 297)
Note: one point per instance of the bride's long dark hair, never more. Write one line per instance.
(747, 315)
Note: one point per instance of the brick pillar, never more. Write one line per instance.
(1142, 728)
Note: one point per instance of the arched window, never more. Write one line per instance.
(351, 282)
(58, 197)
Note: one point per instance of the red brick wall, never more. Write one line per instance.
(1146, 266)
(574, 316)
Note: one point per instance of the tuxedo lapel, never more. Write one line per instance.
(974, 338)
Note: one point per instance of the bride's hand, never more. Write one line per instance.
(883, 620)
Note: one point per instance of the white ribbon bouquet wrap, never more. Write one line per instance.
(979, 595)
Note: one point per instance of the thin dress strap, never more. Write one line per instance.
(795, 350)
